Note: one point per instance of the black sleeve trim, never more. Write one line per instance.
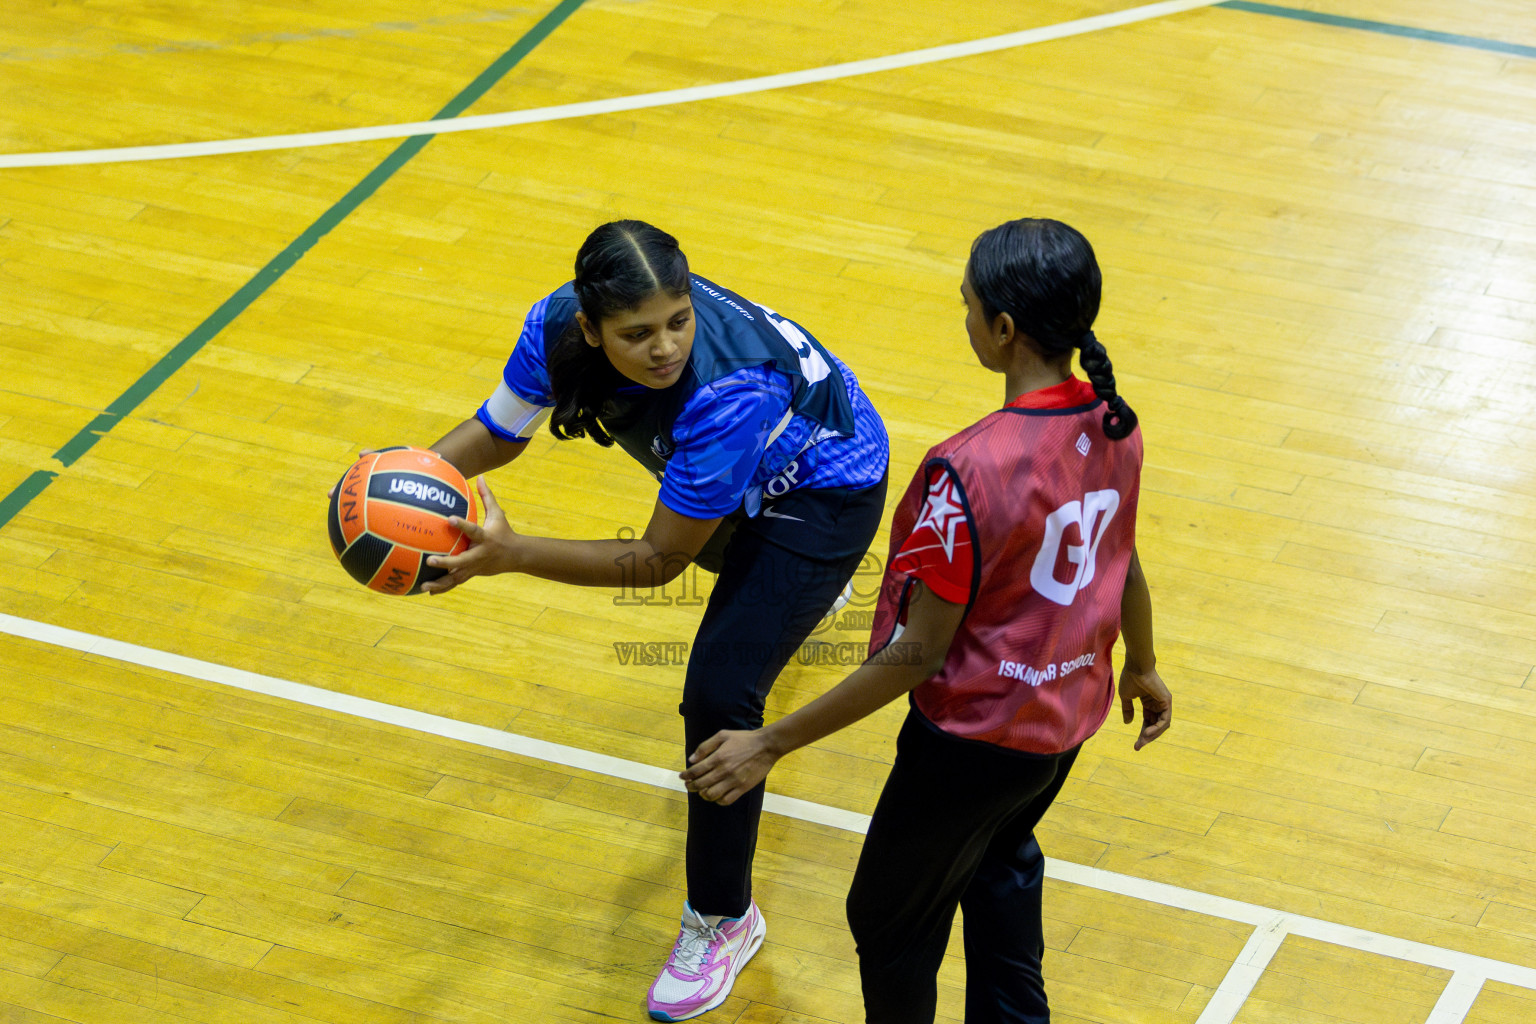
(901, 604)
(1073, 411)
(970, 522)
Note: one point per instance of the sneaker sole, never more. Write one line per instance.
(754, 943)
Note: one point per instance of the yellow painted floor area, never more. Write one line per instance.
(1319, 251)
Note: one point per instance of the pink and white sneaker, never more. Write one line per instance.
(704, 964)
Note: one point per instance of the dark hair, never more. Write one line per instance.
(1044, 275)
(619, 266)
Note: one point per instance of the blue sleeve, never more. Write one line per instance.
(522, 401)
(527, 370)
(719, 439)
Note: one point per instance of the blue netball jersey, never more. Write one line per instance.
(762, 409)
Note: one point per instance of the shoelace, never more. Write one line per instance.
(693, 946)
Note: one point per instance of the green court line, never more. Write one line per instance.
(268, 275)
(1386, 28)
(25, 491)
(172, 361)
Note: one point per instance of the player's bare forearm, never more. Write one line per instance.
(894, 671)
(651, 560)
(1139, 678)
(472, 449)
(659, 556)
(633, 564)
(731, 763)
(1136, 619)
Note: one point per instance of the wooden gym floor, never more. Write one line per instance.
(1319, 248)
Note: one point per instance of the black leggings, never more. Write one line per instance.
(954, 827)
(779, 575)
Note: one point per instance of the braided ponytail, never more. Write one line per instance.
(1044, 275)
(1120, 419)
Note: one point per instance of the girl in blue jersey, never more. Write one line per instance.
(772, 468)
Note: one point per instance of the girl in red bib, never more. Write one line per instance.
(1012, 572)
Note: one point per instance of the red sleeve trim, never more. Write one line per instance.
(1072, 392)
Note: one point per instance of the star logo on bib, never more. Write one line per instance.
(942, 513)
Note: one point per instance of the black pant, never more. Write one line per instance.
(954, 827)
(779, 575)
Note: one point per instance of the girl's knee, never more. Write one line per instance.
(706, 710)
(869, 920)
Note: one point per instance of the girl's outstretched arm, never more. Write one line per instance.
(660, 555)
(469, 448)
(472, 449)
(730, 763)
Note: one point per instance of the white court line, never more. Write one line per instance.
(1457, 999)
(1245, 972)
(1468, 970)
(1082, 26)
